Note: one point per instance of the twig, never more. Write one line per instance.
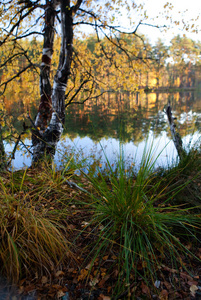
(26, 148)
(78, 90)
(73, 184)
(15, 76)
(15, 148)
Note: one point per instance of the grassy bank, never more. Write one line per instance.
(103, 236)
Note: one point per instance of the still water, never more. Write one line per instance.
(124, 124)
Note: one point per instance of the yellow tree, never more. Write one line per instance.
(21, 19)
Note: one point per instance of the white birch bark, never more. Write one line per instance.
(46, 138)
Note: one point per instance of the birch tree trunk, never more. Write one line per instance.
(51, 114)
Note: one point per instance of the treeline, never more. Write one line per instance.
(177, 65)
(124, 64)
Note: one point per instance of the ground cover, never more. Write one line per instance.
(106, 236)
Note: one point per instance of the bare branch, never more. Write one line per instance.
(75, 94)
(12, 156)
(12, 78)
(25, 146)
(11, 58)
(94, 97)
(26, 35)
(175, 135)
(16, 25)
(76, 6)
(156, 26)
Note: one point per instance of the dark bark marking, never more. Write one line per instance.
(46, 59)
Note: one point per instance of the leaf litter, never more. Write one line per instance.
(88, 278)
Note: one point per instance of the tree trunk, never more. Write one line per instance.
(175, 135)
(51, 114)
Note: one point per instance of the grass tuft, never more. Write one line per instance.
(138, 223)
(32, 237)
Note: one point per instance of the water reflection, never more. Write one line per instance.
(85, 148)
(129, 118)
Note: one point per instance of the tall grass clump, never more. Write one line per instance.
(138, 224)
(31, 237)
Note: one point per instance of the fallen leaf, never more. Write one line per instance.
(193, 289)
(102, 297)
(90, 265)
(114, 257)
(145, 288)
(93, 282)
(60, 294)
(103, 270)
(163, 295)
(59, 273)
(44, 280)
(102, 282)
(83, 274)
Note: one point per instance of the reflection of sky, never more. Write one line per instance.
(163, 150)
(162, 147)
(188, 117)
(22, 159)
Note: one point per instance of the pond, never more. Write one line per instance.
(123, 124)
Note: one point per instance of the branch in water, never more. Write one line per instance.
(175, 135)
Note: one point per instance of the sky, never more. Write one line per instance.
(182, 9)
(177, 10)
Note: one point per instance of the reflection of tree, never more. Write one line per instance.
(126, 120)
